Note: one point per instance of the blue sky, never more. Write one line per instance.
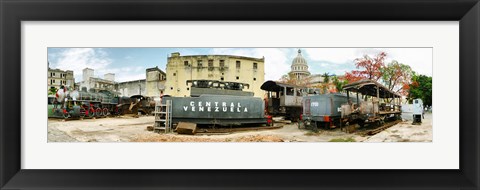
(130, 63)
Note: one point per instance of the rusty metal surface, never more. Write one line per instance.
(369, 87)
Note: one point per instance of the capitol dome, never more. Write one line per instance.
(299, 66)
(299, 60)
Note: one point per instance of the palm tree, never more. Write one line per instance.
(326, 81)
(326, 78)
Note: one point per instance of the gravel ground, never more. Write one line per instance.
(55, 135)
(131, 129)
(406, 132)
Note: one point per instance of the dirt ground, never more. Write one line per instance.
(131, 129)
(406, 132)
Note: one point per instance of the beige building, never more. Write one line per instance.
(57, 78)
(155, 82)
(228, 68)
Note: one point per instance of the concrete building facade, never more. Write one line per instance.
(155, 82)
(152, 86)
(130, 88)
(57, 78)
(92, 83)
(109, 76)
(229, 68)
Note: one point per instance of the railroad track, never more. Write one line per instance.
(78, 118)
(237, 129)
(380, 129)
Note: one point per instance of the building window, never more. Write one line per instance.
(174, 74)
(254, 79)
(185, 63)
(222, 63)
(51, 74)
(238, 77)
(210, 64)
(254, 65)
(221, 79)
(238, 64)
(53, 81)
(199, 63)
(188, 88)
(171, 88)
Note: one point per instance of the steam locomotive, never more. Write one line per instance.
(84, 104)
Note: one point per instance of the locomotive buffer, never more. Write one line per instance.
(163, 116)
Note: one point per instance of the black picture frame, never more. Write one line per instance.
(14, 11)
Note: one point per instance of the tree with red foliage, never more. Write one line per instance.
(370, 68)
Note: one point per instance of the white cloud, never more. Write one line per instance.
(126, 73)
(276, 60)
(420, 59)
(77, 59)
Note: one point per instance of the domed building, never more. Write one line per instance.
(299, 68)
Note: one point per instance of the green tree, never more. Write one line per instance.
(421, 87)
(396, 75)
(52, 91)
(339, 83)
(326, 78)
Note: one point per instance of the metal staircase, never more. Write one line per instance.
(163, 117)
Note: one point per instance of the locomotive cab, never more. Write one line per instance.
(283, 99)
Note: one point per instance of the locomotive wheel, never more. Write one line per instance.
(119, 111)
(361, 123)
(82, 112)
(98, 112)
(105, 111)
(91, 112)
(66, 115)
(315, 127)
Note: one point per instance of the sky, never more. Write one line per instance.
(130, 63)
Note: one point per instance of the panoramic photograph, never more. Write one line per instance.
(294, 94)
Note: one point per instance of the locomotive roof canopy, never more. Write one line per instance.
(273, 86)
(369, 87)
